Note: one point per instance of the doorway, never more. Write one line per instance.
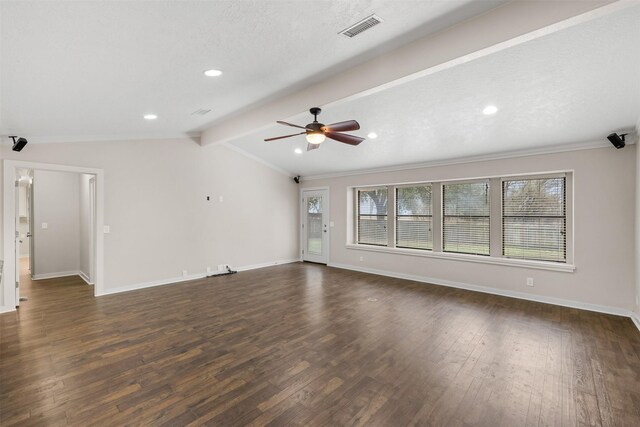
(24, 227)
(19, 208)
(315, 225)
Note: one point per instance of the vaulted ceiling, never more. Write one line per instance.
(83, 71)
(91, 69)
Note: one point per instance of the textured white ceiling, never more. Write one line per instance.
(91, 69)
(575, 85)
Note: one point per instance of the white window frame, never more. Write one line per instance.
(495, 197)
(433, 229)
(491, 198)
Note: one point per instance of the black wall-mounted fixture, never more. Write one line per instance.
(617, 140)
(297, 179)
(18, 144)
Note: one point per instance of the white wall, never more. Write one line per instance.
(160, 220)
(637, 229)
(604, 205)
(85, 225)
(56, 201)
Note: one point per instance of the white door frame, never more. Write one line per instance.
(8, 195)
(302, 218)
(92, 230)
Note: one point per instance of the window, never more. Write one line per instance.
(517, 221)
(372, 216)
(466, 218)
(534, 219)
(414, 220)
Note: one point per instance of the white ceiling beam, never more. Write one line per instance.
(508, 25)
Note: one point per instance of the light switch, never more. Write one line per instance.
(45, 225)
(221, 199)
(106, 229)
(331, 224)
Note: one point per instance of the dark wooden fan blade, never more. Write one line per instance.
(290, 124)
(312, 146)
(347, 126)
(282, 137)
(343, 137)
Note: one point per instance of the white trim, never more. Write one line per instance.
(5, 309)
(266, 264)
(24, 256)
(151, 284)
(635, 318)
(471, 159)
(538, 265)
(55, 274)
(434, 181)
(197, 276)
(195, 137)
(301, 220)
(253, 157)
(8, 225)
(84, 277)
(495, 291)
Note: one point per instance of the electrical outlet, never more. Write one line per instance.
(45, 225)
(208, 270)
(638, 301)
(529, 281)
(361, 258)
(184, 273)
(222, 267)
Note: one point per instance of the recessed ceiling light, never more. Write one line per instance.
(213, 73)
(298, 151)
(489, 110)
(150, 116)
(372, 135)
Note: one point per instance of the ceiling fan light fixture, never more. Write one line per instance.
(315, 138)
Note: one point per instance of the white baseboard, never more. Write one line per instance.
(265, 264)
(54, 275)
(5, 309)
(636, 319)
(495, 291)
(85, 277)
(172, 280)
(152, 284)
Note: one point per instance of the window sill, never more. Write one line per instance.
(540, 265)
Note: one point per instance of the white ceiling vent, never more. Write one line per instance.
(359, 27)
(200, 112)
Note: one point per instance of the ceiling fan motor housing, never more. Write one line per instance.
(314, 127)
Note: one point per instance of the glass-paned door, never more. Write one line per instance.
(315, 226)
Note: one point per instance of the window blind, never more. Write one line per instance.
(372, 216)
(466, 222)
(534, 219)
(414, 218)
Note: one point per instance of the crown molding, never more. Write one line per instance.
(195, 137)
(471, 159)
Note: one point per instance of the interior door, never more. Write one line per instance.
(17, 240)
(315, 226)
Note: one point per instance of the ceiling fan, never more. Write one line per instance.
(317, 132)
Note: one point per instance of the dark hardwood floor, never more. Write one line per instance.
(302, 344)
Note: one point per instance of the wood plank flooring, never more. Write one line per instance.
(302, 344)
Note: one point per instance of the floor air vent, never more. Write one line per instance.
(200, 112)
(359, 27)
